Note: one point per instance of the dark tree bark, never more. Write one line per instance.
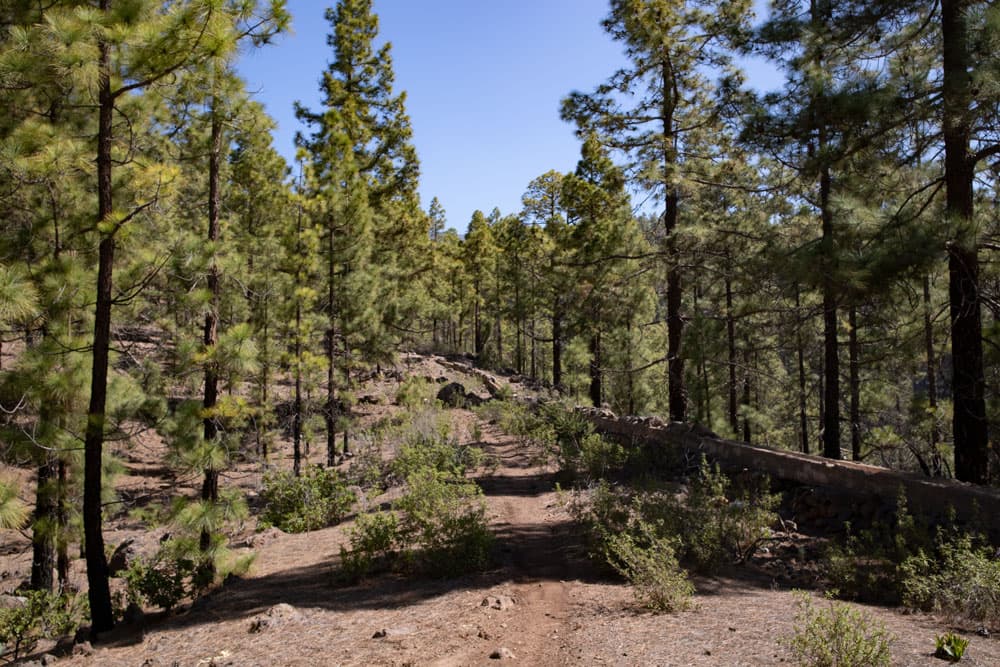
(831, 358)
(210, 482)
(969, 422)
(43, 546)
(99, 590)
(596, 391)
(854, 352)
(747, 386)
(734, 422)
(803, 418)
(557, 345)
(937, 467)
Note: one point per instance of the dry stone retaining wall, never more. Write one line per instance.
(869, 489)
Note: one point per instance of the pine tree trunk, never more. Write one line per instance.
(99, 590)
(935, 436)
(854, 352)
(969, 421)
(43, 547)
(803, 418)
(676, 391)
(297, 406)
(596, 391)
(210, 483)
(734, 422)
(831, 371)
(331, 358)
(747, 387)
(557, 346)
(62, 527)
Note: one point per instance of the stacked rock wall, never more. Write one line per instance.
(868, 490)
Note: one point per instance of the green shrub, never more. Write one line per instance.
(160, 582)
(415, 392)
(838, 636)
(441, 455)
(43, 615)
(318, 498)
(961, 579)
(374, 538)
(706, 527)
(649, 562)
(866, 565)
(446, 517)
(716, 525)
(950, 646)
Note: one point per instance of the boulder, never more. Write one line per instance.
(453, 394)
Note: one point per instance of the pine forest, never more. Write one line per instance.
(208, 350)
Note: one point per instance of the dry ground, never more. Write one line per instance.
(565, 609)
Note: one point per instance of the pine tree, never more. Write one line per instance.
(668, 43)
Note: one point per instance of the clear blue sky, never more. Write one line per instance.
(483, 79)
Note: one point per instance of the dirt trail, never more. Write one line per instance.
(563, 611)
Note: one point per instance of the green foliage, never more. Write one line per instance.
(446, 517)
(708, 527)
(838, 636)
(720, 526)
(317, 499)
(13, 513)
(374, 539)
(414, 393)
(649, 562)
(950, 646)
(435, 451)
(160, 582)
(43, 615)
(960, 577)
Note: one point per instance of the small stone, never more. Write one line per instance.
(47, 659)
(83, 648)
(379, 634)
(502, 653)
(501, 602)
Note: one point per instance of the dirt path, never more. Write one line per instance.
(546, 604)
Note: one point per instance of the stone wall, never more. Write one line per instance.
(864, 486)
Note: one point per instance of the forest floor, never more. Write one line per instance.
(543, 601)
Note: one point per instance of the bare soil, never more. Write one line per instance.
(565, 608)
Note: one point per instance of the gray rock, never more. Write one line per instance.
(501, 602)
(276, 616)
(502, 653)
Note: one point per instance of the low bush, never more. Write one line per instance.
(318, 498)
(415, 392)
(445, 517)
(649, 562)
(43, 615)
(374, 540)
(961, 577)
(836, 635)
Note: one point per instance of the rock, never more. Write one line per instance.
(258, 540)
(276, 616)
(12, 601)
(392, 632)
(123, 556)
(47, 660)
(501, 602)
(502, 653)
(453, 394)
(83, 648)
